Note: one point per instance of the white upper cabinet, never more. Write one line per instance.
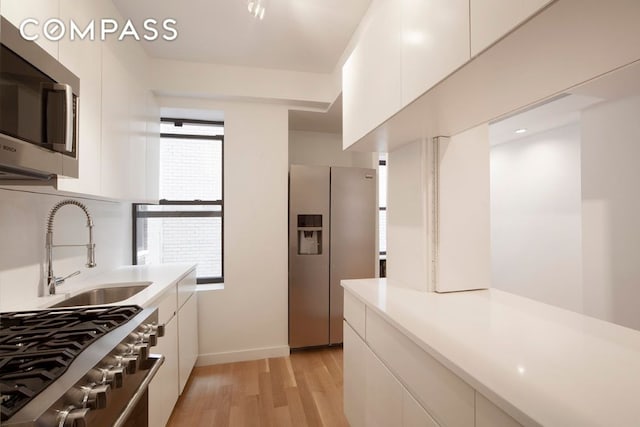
(119, 120)
(405, 48)
(435, 41)
(115, 173)
(152, 167)
(16, 11)
(371, 77)
(492, 19)
(84, 59)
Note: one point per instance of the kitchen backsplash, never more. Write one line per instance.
(23, 217)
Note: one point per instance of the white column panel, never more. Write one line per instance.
(407, 244)
(464, 248)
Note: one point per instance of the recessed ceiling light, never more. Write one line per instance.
(521, 130)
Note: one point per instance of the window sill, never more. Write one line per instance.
(210, 287)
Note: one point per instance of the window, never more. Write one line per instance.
(382, 215)
(187, 224)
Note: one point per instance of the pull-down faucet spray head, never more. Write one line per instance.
(53, 281)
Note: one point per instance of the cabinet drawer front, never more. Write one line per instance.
(353, 377)
(186, 288)
(168, 305)
(383, 404)
(414, 415)
(447, 397)
(187, 338)
(163, 389)
(354, 313)
(489, 415)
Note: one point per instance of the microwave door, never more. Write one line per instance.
(57, 117)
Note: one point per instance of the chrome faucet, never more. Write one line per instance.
(52, 280)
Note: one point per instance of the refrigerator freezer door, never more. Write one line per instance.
(353, 235)
(308, 264)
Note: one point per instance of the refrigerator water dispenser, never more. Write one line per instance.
(309, 234)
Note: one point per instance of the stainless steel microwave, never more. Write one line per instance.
(38, 111)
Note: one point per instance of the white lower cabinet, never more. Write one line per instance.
(187, 338)
(445, 395)
(354, 376)
(179, 346)
(489, 415)
(390, 381)
(163, 390)
(383, 394)
(373, 396)
(414, 415)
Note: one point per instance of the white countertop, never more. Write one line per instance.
(541, 364)
(161, 277)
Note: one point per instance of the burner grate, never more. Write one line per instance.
(37, 347)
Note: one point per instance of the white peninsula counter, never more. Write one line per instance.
(483, 358)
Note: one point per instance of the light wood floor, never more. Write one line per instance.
(304, 389)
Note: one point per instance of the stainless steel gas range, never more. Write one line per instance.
(86, 366)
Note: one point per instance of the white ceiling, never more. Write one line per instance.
(300, 35)
(559, 112)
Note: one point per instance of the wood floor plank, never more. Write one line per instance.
(282, 418)
(265, 400)
(308, 404)
(222, 405)
(278, 372)
(290, 380)
(236, 417)
(302, 390)
(296, 410)
(251, 409)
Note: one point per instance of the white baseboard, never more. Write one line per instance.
(241, 356)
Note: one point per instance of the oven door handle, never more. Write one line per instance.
(122, 419)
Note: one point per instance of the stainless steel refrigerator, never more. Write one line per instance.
(332, 234)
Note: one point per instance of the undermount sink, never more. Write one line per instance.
(104, 295)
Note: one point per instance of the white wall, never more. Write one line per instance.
(248, 318)
(407, 244)
(611, 211)
(23, 217)
(536, 217)
(325, 149)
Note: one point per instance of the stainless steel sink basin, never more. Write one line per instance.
(108, 294)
